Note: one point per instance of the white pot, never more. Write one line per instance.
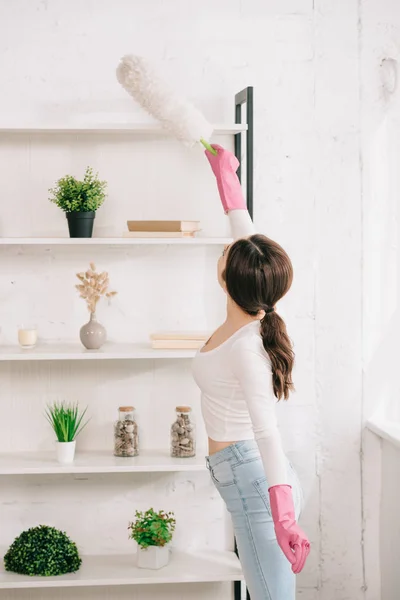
(152, 557)
(65, 452)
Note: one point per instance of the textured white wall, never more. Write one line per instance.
(57, 60)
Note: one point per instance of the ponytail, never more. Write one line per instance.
(279, 348)
(257, 275)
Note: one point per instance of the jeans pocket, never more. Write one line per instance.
(222, 474)
(261, 487)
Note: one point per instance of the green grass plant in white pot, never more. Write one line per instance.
(67, 423)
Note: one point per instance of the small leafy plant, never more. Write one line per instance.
(66, 420)
(72, 195)
(42, 551)
(93, 286)
(152, 529)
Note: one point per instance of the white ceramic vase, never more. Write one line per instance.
(65, 452)
(153, 557)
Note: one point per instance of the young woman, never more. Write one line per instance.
(242, 370)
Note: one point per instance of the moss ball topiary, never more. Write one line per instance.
(43, 551)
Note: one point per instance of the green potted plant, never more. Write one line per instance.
(42, 551)
(66, 421)
(152, 531)
(79, 200)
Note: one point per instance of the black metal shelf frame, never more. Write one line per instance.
(245, 97)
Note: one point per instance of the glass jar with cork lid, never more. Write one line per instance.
(183, 433)
(126, 439)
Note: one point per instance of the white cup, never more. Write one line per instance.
(27, 336)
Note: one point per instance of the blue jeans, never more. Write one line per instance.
(238, 474)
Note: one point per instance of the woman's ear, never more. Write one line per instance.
(223, 282)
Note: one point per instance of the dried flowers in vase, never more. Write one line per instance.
(92, 287)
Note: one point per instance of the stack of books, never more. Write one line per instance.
(178, 340)
(162, 229)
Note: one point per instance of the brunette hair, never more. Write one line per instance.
(258, 273)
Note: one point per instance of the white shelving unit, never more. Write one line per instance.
(115, 570)
(111, 570)
(110, 351)
(120, 241)
(150, 461)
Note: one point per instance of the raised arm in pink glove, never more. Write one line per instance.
(292, 540)
(224, 166)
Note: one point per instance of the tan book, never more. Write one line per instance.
(176, 226)
(199, 336)
(158, 234)
(177, 344)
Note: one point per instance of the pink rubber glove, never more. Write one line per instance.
(292, 540)
(224, 166)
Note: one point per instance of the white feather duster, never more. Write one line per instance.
(181, 118)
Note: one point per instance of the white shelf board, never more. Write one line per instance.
(148, 129)
(45, 463)
(70, 351)
(116, 570)
(120, 241)
(387, 430)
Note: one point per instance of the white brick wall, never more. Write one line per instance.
(303, 58)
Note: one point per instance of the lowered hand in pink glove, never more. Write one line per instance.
(224, 165)
(292, 540)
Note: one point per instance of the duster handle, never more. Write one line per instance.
(208, 147)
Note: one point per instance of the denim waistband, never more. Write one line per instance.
(232, 451)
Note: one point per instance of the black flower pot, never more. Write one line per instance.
(80, 224)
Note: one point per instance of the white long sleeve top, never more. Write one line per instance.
(235, 379)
